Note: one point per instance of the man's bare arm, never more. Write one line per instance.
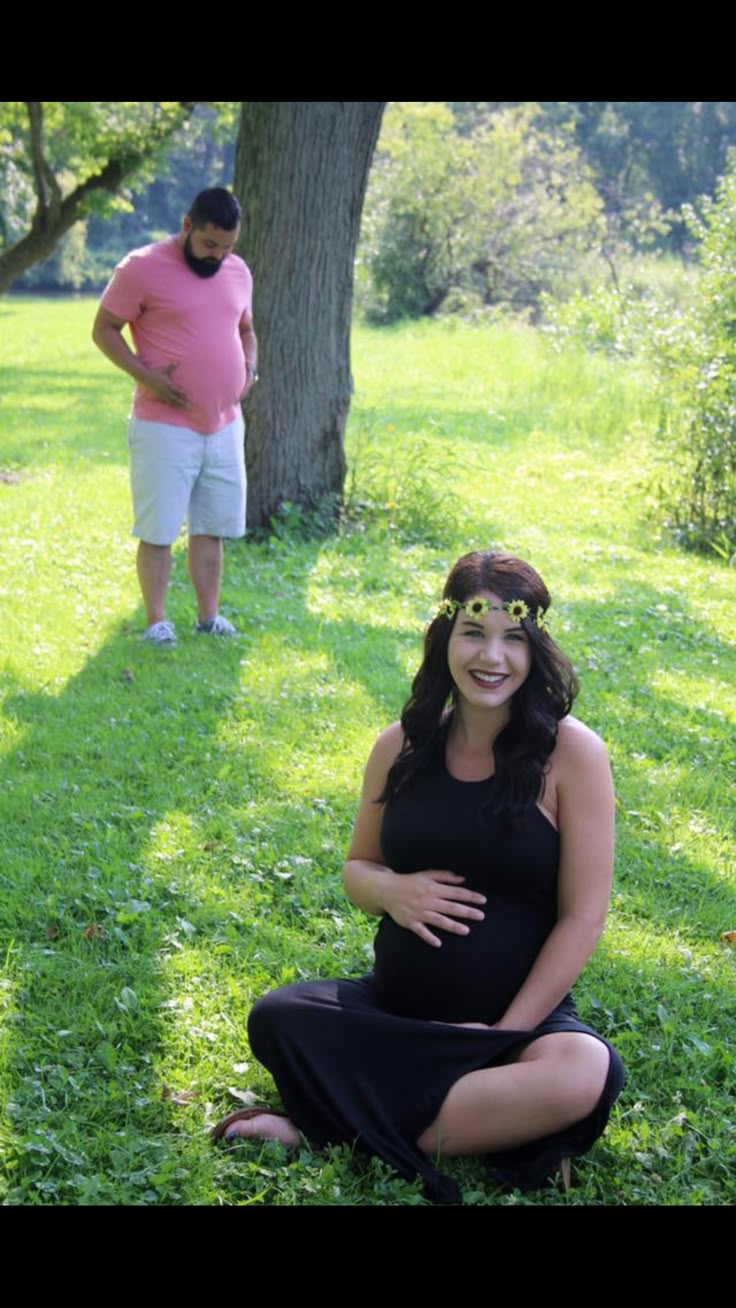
(250, 351)
(107, 335)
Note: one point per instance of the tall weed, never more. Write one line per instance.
(402, 487)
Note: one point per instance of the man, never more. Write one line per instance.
(188, 302)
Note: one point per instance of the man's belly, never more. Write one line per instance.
(212, 374)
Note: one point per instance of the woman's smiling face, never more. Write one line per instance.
(489, 656)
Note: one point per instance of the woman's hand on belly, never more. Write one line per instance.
(435, 898)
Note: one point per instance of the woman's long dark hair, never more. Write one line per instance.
(524, 745)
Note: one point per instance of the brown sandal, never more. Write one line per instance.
(566, 1175)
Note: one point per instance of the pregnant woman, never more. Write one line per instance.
(484, 841)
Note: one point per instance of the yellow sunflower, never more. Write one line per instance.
(447, 608)
(517, 610)
(477, 608)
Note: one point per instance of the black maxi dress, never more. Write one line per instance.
(369, 1062)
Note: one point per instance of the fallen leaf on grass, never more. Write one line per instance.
(246, 1097)
(93, 931)
(729, 937)
(181, 1097)
(127, 674)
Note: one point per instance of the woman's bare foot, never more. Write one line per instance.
(265, 1126)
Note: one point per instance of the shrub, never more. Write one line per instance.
(698, 368)
(497, 214)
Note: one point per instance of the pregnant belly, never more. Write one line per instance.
(470, 978)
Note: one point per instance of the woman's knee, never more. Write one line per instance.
(269, 1017)
(577, 1065)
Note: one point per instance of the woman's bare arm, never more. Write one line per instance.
(586, 824)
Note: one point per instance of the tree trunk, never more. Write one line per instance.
(301, 170)
(37, 245)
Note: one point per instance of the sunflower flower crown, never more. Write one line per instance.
(517, 610)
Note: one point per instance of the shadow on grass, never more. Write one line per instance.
(89, 906)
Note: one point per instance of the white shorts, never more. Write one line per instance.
(177, 473)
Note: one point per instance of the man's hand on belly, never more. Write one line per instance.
(159, 383)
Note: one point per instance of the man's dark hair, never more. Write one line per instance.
(217, 206)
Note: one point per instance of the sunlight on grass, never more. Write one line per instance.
(647, 949)
(713, 694)
(171, 836)
(394, 589)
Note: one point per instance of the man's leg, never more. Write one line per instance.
(205, 570)
(216, 510)
(154, 572)
(164, 464)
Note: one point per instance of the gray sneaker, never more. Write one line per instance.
(160, 633)
(217, 626)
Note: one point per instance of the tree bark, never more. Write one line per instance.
(301, 170)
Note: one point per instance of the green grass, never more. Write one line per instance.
(173, 823)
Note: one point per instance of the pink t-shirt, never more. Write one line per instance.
(178, 317)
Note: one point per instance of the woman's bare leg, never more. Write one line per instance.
(554, 1081)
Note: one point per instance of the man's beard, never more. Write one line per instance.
(202, 267)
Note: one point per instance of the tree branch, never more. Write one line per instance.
(123, 165)
(54, 216)
(48, 192)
